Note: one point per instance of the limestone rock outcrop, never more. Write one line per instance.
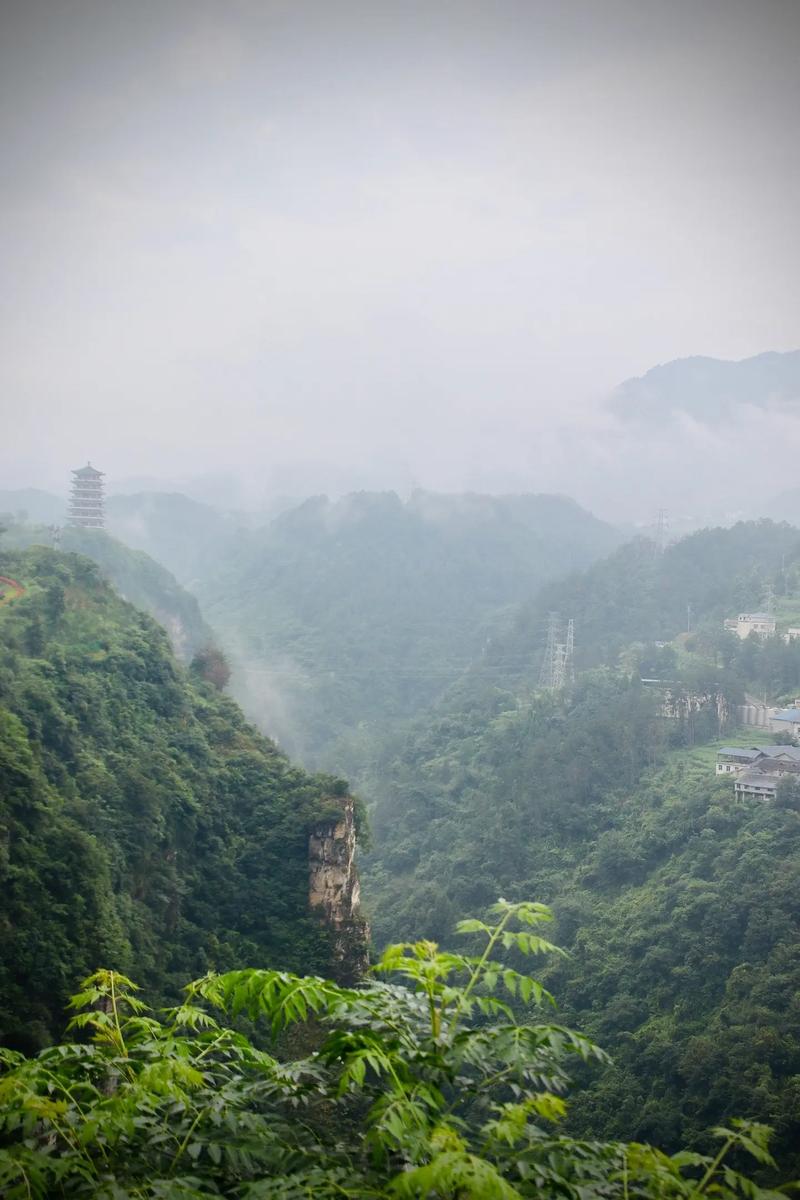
(334, 890)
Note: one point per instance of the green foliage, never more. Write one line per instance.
(693, 958)
(211, 665)
(768, 666)
(143, 822)
(635, 595)
(424, 1086)
(501, 794)
(677, 901)
(135, 576)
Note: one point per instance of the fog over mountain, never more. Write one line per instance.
(394, 398)
(713, 439)
(708, 440)
(324, 247)
(711, 391)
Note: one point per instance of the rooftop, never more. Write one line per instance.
(757, 779)
(88, 472)
(787, 714)
(752, 753)
(789, 752)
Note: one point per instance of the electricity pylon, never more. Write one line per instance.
(558, 665)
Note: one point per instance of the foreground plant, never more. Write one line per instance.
(425, 1085)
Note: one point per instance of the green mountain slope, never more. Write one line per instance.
(677, 902)
(145, 824)
(683, 926)
(345, 618)
(636, 595)
(136, 576)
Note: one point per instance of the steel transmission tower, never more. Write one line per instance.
(558, 667)
(569, 653)
(549, 671)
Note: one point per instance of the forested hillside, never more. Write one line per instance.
(494, 794)
(683, 926)
(343, 618)
(145, 825)
(638, 595)
(188, 831)
(135, 575)
(677, 902)
(183, 534)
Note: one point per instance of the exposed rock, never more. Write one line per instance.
(334, 890)
(680, 705)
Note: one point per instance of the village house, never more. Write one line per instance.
(758, 770)
(757, 783)
(760, 623)
(733, 760)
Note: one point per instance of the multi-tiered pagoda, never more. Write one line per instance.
(86, 498)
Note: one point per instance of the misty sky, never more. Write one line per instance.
(413, 243)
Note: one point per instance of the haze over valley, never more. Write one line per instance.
(400, 600)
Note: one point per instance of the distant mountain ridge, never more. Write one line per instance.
(183, 534)
(341, 614)
(709, 389)
(33, 504)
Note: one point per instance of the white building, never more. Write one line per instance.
(779, 760)
(758, 770)
(756, 783)
(746, 623)
(733, 759)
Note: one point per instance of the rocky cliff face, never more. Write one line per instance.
(334, 890)
(686, 706)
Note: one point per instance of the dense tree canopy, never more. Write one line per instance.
(144, 823)
(179, 835)
(640, 595)
(677, 901)
(137, 577)
(424, 1086)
